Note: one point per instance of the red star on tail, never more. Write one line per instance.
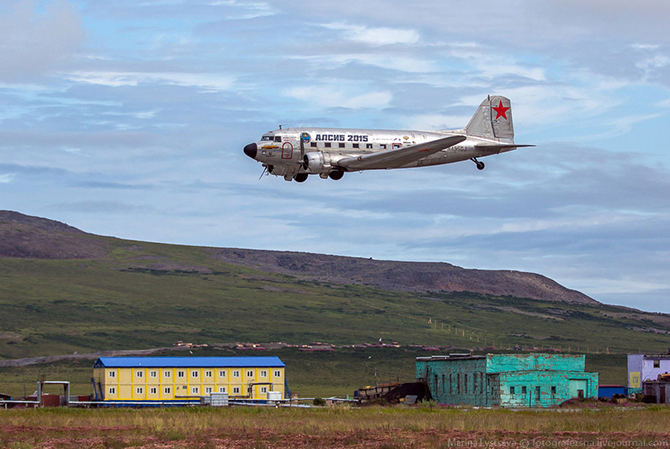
(501, 111)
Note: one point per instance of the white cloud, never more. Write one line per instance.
(207, 82)
(34, 43)
(6, 178)
(375, 36)
(250, 9)
(337, 95)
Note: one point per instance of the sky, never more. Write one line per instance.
(128, 119)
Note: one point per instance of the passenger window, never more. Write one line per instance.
(277, 138)
(341, 144)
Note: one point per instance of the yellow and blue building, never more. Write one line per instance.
(187, 379)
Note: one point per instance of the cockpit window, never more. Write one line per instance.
(277, 138)
(267, 138)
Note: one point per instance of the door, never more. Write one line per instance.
(578, 388)
(287, 150)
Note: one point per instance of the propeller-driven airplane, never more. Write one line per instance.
(296, 153)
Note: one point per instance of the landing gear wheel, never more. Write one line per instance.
(480, 165)
(336, 175)
(300, 177)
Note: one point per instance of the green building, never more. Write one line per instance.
(507, 380)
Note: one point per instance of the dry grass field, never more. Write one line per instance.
(371, 427)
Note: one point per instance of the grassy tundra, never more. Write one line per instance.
(423, 426)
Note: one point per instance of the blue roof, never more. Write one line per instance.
(189, 362)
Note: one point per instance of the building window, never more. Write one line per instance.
(236, 373)
(537, 393)
(112, 390)
(180, 373)
(458, 383)
(511, 390)
(451, 383)
(153, 390)
(466, 384)
(250, 373)
(153, 373)
(523, 390)
(194, 374)
(236, 390)
(195, 390)
(264, 389)
(553, 390)
(264, 373)
(208, 374)
(167, 390)
(166, 374)
(139, 390)
(222, 373)
(277, 373)
(222, 389)
(139, 374)
(112, 374)
(208, 390)
(657, 363)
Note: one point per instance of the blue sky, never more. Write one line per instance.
(128, 119)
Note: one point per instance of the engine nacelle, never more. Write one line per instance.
(317, 162)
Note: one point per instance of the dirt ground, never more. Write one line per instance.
(122, 437)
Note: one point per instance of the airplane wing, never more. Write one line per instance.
(398, 157)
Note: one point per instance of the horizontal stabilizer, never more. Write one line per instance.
(495, 149)
(398, 157)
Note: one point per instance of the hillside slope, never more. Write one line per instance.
(22, 236)
(406, 276)
(62, 290)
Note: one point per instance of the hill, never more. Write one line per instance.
(22, 236)
(63, 290)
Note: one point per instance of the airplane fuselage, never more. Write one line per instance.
(295, 153)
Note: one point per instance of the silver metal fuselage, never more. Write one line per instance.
(283, 149)
(295, 153)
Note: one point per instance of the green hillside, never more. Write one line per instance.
(146, 295)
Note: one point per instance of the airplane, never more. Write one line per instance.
(296, 153)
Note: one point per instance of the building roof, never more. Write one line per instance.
(189, 362)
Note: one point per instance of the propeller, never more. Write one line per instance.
(265, 170)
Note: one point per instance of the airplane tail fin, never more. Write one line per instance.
(493, 120)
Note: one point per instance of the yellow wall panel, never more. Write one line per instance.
(157, 383)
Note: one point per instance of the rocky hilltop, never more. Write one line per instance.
(409, 276)
(23, 236)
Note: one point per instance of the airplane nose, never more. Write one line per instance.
(251, 150)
